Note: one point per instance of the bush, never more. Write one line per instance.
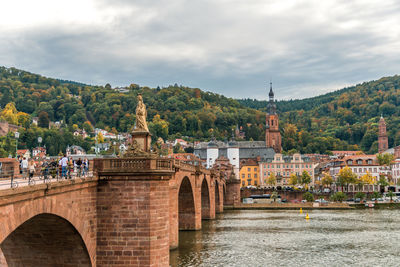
(338, 196)
(308, 196)
(360, 195)
(376, 195)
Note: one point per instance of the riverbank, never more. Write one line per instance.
(290, 206)
(377, 206)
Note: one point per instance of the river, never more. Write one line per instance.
(286, 238)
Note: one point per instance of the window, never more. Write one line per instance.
(243, 183)
(255, 169)
(359, 169)
(255, 182)
(248, 175)
(255, 175)
(278, 165)
(369, 161)
(248, 169)
(248, 181)
(278, 158)
(265, 174)
(269, 173)
(242, 175)
(374, 169)
(297, 166)
(268, 166)
(349, 162)
(370, 169)
(296, 158)
(359, 162)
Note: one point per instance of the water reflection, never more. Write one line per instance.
(285, 238)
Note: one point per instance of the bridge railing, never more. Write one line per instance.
(11, 178)
(128, 165)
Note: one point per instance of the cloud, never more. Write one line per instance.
(229, 47)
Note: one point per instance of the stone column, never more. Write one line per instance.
(133, 212)
(232, 197)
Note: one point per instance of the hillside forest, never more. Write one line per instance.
(345, 119)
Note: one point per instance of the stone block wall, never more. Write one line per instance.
(133, 222)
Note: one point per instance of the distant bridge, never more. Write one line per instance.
(128, 214)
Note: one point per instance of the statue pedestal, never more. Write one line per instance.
(143, 139)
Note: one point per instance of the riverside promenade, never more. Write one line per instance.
(290, 206)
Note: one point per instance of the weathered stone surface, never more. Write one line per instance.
(129, 215)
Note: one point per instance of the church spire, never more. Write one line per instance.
(271, 93)
(271, 107)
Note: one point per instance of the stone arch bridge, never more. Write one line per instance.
(128, 214)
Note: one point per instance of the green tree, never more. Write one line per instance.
(43, 120)
(338, 196)
(390, 194)
(305, 178)
(360, 195)
(159, 127)
(382, 181)
(375, 195)
(293, 179)
(308, 196)
(271, 180)
(327, 180)
(346, 177)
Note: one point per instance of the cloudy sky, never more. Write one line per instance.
(232, 47)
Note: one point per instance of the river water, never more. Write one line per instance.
(286, 238)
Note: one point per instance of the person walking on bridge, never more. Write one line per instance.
(24, 166)
(64, 166)
(31, 167)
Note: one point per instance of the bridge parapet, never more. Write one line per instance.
(134, 165)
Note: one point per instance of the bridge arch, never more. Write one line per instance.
(45, 240)
(205, 200)
(73, 204)
(186, 205)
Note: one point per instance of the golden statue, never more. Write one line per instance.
(141, 114)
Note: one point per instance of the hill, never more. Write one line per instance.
(350, 114)
(344, 119)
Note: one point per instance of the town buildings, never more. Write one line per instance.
(249, 173)
(236, 151)
(284, 166)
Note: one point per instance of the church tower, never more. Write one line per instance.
(272, 134)
(382, 136)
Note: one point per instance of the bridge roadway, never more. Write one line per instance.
(128, 214)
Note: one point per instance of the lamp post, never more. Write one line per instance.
(16, 144)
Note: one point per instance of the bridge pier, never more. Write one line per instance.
(232, 194)
(133, 212)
